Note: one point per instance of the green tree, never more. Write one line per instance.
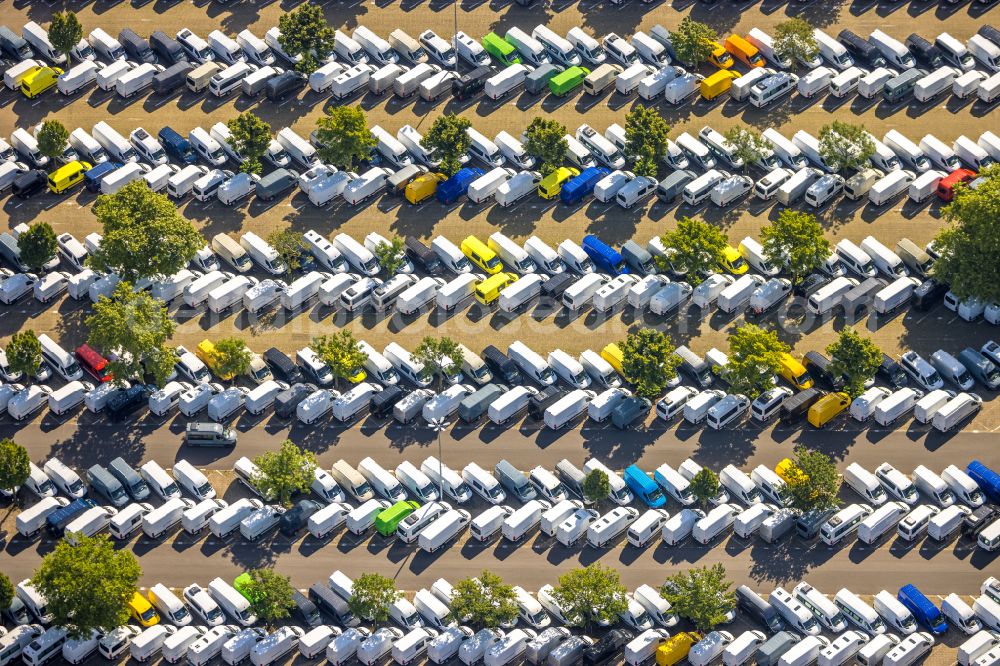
(441, 357)
(968, 244)
(448, 139)
(304, 32)
(855, 358)
(692, 41)
(65, 32)
(845, 146)
(24, 353)
(596, 487)
(87, 585)
(748, 145)
(232, 358)
(6, 591)
(390, 255)
(795, 240)
(754, 359)
(288, 244)
(704, 486)
(344, 136)
(251, 138)
(795, 40)
(701, 596)
(698, 248)
(14, 469)
(144, 234)
(545, 140)
(137, 325)
(814, 481)
(282, 473)
(591, 594)
(649, 361)
(270, 596)
(341, 352)
(37, 245)
(52, 139)
(371, 596)
(646, 138)
(484, 602)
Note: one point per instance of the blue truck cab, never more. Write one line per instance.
(450, 190)
(582, 186)
(922, 608)
(606, 258)
(177, 146)
(644, 487)
(63, 516)
(988, 480)
(92, 178)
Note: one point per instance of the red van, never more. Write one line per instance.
(93, 363)
(946, 186)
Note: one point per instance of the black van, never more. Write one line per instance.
(542, 400)
(136, 47)
(29, 183)
(753, 605)
(819, 367)
(891, 372)
(123, 403)
(383, 401)
(282, 366)
(305, 611)
(554, 287)
(422, 255)
(167, 49)
(469, 85)
(796, 406)
(928, 294)
(502, 367)
(607, 648)
(925, 52)
(283, 85)
(861, 49)
(975, 522)
(171, 78)
(286, 402)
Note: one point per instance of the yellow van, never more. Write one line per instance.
(787, 470)
(795, 373)
(718, 83)
(38, 80)
(481, 256)
(423, 187)
(551, 185)
(826, 408)
(206, 352)
(720, 56)
(613, 355)
(676, 649)
(67, 176)
(733, 262)
(489, 289)
(142, 611)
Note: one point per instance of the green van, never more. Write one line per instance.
(501, 49)
(241, 583)
(386, 521)
(566, 82)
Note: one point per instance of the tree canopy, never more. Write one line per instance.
(748, 145)
(14, 467)
(649, 361)
(692, 41)
(845, 146)
(646, 138)
(24, 353)
(704, 486)
(65, 32)
(485, 601)
(701, 596)
(371, 596)
(545, 140)
(698, 248)
(855, 358)
(441, 357)
(795, 239)
(304, 32)
(88, 584)
(6, 591)
(390, 255)
(591, 594)
(251, 138)
(344, 136)
(288, 244)
(596, 487)
(144, 234)
(282, 473)
(138, 327)
(794, 39)
(448, 139)
(341, 352)
(270, 596)
(232, 358)
(754, 359)
(37, 245)
(52, 139)
(817, 482)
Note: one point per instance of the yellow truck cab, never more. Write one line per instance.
(733, 262)
(795, 373)
(718, 83)
(206, 352)
(481, 255)
(720, 57)
(488, 291)
(142, 611)
(67, 176)
(787, 470)
(423, 187)
(826, 408)
(38, 80)
(676, 648)
(612, 353)
(551, 185)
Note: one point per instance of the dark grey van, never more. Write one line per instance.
(422, 255)
(572, 477)
(900, 86)
(628, 410)
(859, 296)
(925, 52)
(276, 183)
(136, 47)
(129, 478)
(753, 605)
(472, 408)
(167, 49)
(770, 652)
(514, 481)
(172, 77)
(106, 485)
(673, 185)
(283, 85)
(469, 84)
(638, 258)
(288, 401)
(13, 45)
(807, 525)
(537, 81)
(980, 367)
(501, 366)
(282, 365)
(695, 367)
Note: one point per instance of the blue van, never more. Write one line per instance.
(644, 487)
(450, 190)
(606, 258)
(922, 608)
(582, 186)
(987, 479)
(92, 178)
(177, 146)
(61, 517)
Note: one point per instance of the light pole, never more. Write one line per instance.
(439, 425)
